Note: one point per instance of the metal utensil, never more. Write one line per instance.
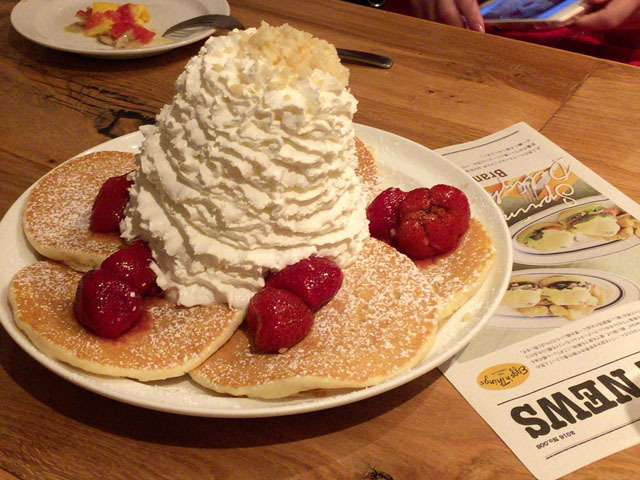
(227, 22)
(224, 22)
(367, 58)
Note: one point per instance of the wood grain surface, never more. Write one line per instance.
(447, 86)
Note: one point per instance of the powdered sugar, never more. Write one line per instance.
(183, 396)
(56, 217)
(167, 341)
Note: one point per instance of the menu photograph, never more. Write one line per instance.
(556, 370)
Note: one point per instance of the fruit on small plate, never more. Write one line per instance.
(118, 25)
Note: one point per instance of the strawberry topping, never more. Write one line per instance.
(425, 222)
(278, 319)
(382, 213)
(132, 264)
(423, 235)
(108, 207)
(106, 305)
(315, 280)
(451, 200)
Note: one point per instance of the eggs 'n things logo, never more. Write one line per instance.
(503, 376)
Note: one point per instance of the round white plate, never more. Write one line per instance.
(619, 290)
(404, 164)
(45, 22)
(584, 247)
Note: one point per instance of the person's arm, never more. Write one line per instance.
(614, 14)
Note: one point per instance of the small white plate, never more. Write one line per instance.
(584, 247)
(45, 22)
(618, 289)
(404, 164)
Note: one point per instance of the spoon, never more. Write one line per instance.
(227, 22)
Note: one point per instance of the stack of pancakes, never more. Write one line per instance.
(382, 322)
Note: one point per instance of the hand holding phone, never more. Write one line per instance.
(531, 13)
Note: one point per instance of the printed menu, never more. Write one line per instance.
(556, 369)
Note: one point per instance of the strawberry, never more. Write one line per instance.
(454, 201)
(120, 28)
(92, 19)
(142, 34)
(139, 33)
(417, 200)
(315, 280)
(126, 22)
(411, 239)
(431, 221)
(106, 305)
(131, 264)
(83, 15)
(422, 235)
(126, 13)
(278, 319)
(382, 213)
(113, 15)
(108, 207)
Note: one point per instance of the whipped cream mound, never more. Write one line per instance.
(250, 168)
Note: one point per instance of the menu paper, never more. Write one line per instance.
(556, 370)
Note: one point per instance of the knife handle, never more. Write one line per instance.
(365, 57)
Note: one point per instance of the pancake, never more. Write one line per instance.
(166, 342)
(57, 213)
(381, 323)
(367, 170)
(457, 275)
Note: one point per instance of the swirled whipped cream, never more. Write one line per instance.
(250, 168)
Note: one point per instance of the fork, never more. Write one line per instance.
(227, 22)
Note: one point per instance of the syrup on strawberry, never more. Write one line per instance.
(108, 207)
(382, 213)
(106, 305)
(454, 202)
(278, 319)
(281, 314)
(315, 280)
(424, 223)
(132, 264)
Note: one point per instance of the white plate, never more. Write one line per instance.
(619, 290)
(405, 164)
(584, 247)
(45, 21)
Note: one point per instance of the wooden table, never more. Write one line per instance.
(447, 86)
